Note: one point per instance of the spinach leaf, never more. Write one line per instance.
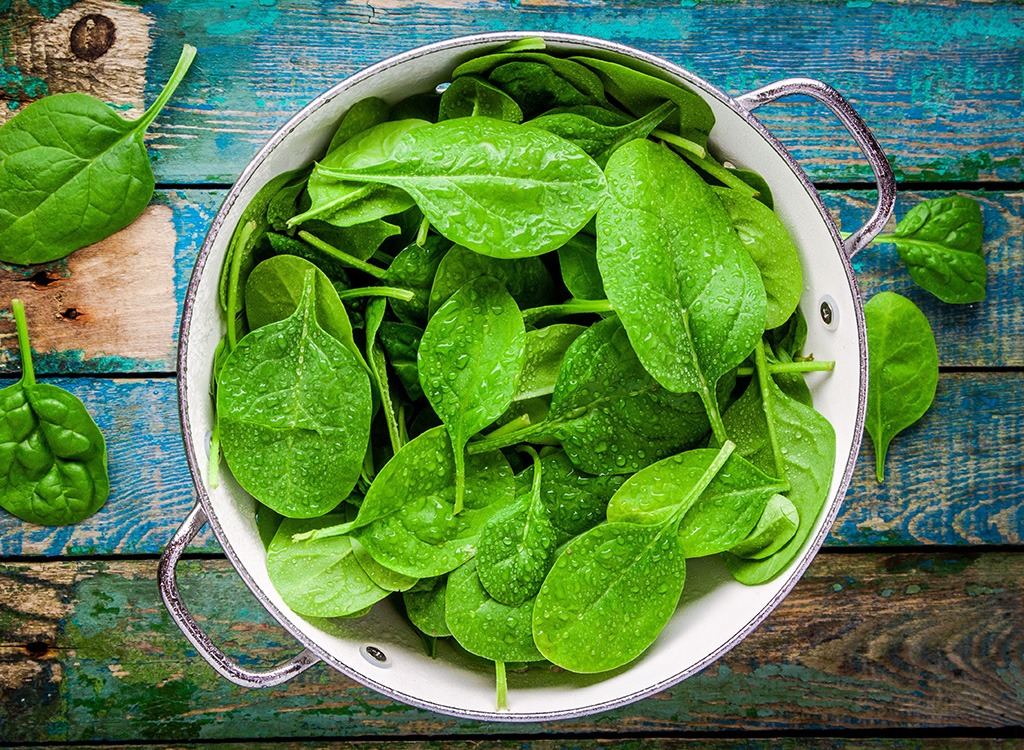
(53, 458)
(772, 249)
(319, 578)
(724, 513)
(613, 588)
(401, 343)
(375, 310)
(676, 273)
(576, 501)
(472, 96)
(641, 93)
(776, 526)
(384, 577)
(284, 204)
(526, 279)
(470, 358)
(903, 369)
(73, 172)
(425, 607)
(563, 80)
(755, 181)
(483, 625)
(293, 408)
(544, 352)
(360, 117)
(342, 203)
(415, 268)
(940, 241)
(499, 189)
(360, 241)
(517, 547)
(335, 271)
(577, 260)
(597, 139)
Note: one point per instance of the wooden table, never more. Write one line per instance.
(908, 628)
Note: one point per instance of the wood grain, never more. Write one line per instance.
(107, 308)
(940, 85)
(869, 642)
(954, 478)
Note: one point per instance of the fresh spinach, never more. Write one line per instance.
(526, 279)
(53, 458)
(544, 352)
(379, 372)
(360, 117)
(903, 369)
(73, 172)
(401, 343)
(577, 260)
(425, 607)
(472, 96)
(777, 525)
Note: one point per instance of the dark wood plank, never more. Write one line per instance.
(114, 307)
(939, 84)
(928, 498)
(802, 742)
(871, 642)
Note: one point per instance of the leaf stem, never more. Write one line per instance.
(573, 307)
(764, 380)
(502, 685)
(326, 533)
(28, 373)
(721, 174)
(421, 234)
(702, 484)
(188, 54)
(233, 277)
(707, 395)
(499, 439)
(460, 474)
(804, 365)
(341, 256)
(687, 145)
(214, 468)
(377, 291)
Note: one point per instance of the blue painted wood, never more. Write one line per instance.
(952, 479)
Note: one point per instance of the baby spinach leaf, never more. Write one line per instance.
(544, 352)
(771, 248)
(378, 370)
(275, 288)
(940, 242)
(319, 578)
(293, 407)
(414, 268)
(613, 588)
(598, 140)
(517, 547)
(723, 514)
(73, 172)
(499, 189)
(284, 204)
(401, 343)
(267, 523)
(904, 369)
(757, 182)
(677, 274)
(641, 93)
(470, 358)
(483, 625)
(563, 79)
(576, 501)
(526, 279)
(422, 106)
(384, 577)
(358, 240)
(472, 96)
(777, 525)
(425, 607)
(360, 117)
(53, 458)
(577, 260)
(282, 244)
(343, 203)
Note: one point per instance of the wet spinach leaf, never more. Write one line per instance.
(544, 353)
(472, 96)
(53, 458)
(360, 117)
(577, 260)
(777, 525)
(375, 310)
(526, 279)
(415, 268)
(401, 343)
(425, 607)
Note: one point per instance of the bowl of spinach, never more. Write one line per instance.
(522, 377)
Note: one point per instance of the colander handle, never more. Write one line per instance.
(235, 672)
(847, 115)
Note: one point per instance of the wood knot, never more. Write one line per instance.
(43, 279)
(92, 36)
(71, 313)
(37, 649)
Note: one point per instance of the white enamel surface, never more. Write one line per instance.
(716, 611)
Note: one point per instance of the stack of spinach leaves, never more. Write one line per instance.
(515, 350)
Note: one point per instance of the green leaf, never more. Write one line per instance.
(53, 458)
(499, 189)
(577, 260)
(940, 241)
(470, 357)
(774, 529)
(378, 370)
(904, 369)
(360, 117)
(544, 353)
(73, 172)
(425, 608)
(293, 407)
(415, 268)
(526, 279)
(576, 501)
(401, 343)
(472, 96)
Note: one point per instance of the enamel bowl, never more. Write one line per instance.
(381, 650)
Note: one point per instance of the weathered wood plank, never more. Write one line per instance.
(114, 307)
(941, 84)
(620, 743)
(955, 478)
(868, 642)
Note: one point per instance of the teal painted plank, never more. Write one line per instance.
(929, 496)
(982, 335)
(941, 84)
(870, 642)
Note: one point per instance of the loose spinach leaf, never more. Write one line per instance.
(293, 407)
(319, 578)
(470, 358)
(544, 353)
(940, 242)
(563, 79)
(422, 106)
(499, 189)
(517, 547)
(360, 241)
(425, 607)
(53, 458)
(677, 274)
(903, 369)
(641, 93)
(772, 249)
(284, 204)
(757, 182)
(73, 172)
(472, 96)
(526, 279)
(774, 529)
(401, 343)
